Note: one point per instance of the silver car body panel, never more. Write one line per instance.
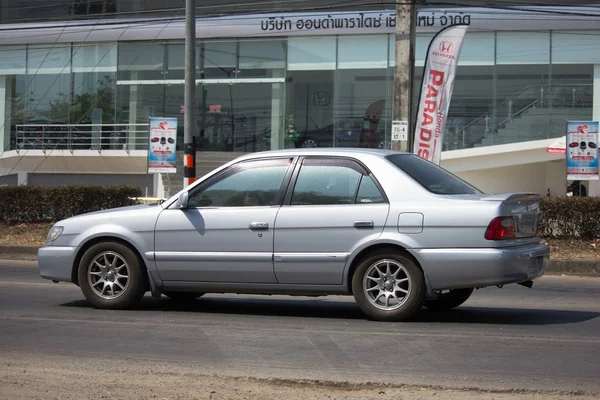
(327, 232)
(313, 249)
(215, 245)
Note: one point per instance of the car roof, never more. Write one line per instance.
(329, 151)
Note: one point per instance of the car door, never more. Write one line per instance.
(226, 232)
(332, 205)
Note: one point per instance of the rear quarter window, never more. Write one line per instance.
(432, 177)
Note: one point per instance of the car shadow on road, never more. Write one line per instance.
(331, 309)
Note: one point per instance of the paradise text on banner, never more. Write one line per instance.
(436, 92)
(162, 154)
(582, 150)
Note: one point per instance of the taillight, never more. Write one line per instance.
(501, 228)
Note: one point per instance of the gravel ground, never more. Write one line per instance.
(27, 376)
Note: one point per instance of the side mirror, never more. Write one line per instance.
(184, 199)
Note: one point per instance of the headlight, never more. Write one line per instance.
(54, 233)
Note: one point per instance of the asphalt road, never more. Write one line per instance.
(545, 338)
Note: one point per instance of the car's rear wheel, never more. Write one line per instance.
(388, 286)
(110, 276)
(183, 296)
(450, 299)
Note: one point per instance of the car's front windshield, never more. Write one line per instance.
(433, 178)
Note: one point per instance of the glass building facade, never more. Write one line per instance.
(323, 90)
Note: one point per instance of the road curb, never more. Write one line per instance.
(18, 252)
(590, 268)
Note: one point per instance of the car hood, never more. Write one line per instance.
(111, 212)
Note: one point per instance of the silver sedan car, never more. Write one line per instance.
(393, 230)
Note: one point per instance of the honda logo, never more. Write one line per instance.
(446, 47)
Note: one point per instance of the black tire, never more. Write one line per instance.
(449, 300)
(410, 305)
(309, 143)
(132, 292)
(183, 296)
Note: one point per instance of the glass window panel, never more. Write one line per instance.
(95, 58)
(521, 103)
(46, 59)
(362, 52)
(321, 185)
(220, 59)
(12, 60)
(262, 58)
(141, 61)
(433, 178)
(175, 68)
(361, 108)
(368, 192)
(310, 100)
(477, 49)
(250, 187)
(471, 108)
(49, 84)
(571, 96)
(523, 48)
(93, 98)
(311, 54)
(576, 47)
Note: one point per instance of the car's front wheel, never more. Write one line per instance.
(110, 276)
(388, 286)
(449, 300)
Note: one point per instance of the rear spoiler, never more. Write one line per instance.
(514, 198)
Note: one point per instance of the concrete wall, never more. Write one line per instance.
(145, 182)
(537, 178)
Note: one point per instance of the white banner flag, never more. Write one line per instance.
(436, 91)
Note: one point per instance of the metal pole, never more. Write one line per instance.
(189, 118)
(403, 75)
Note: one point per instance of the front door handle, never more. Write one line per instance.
(259, 225)
(364, 224)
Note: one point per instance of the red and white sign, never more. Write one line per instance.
(436, 92)
(559, 146)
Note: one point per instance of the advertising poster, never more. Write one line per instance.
(161, 147)
(582, 150)
(436, 92)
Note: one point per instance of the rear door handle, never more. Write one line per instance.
(364, 224)
(259, 225)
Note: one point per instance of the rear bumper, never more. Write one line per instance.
(56, 263)
(461, 268)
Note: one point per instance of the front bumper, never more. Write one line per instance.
(56, 263)
(462, 268)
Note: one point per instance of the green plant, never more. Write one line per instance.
(37, 204)
(571, 217)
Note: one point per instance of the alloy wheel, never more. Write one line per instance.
(387, 284)
(108, 275)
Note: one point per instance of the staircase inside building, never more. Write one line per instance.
(531, 113)
(535, 124)
(206, 161)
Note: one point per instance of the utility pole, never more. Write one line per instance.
(189, 117)
(402, 135)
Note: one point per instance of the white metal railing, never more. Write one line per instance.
(48, 137)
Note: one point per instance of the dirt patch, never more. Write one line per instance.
(59, 377)
(574, 249)
(24, 234)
